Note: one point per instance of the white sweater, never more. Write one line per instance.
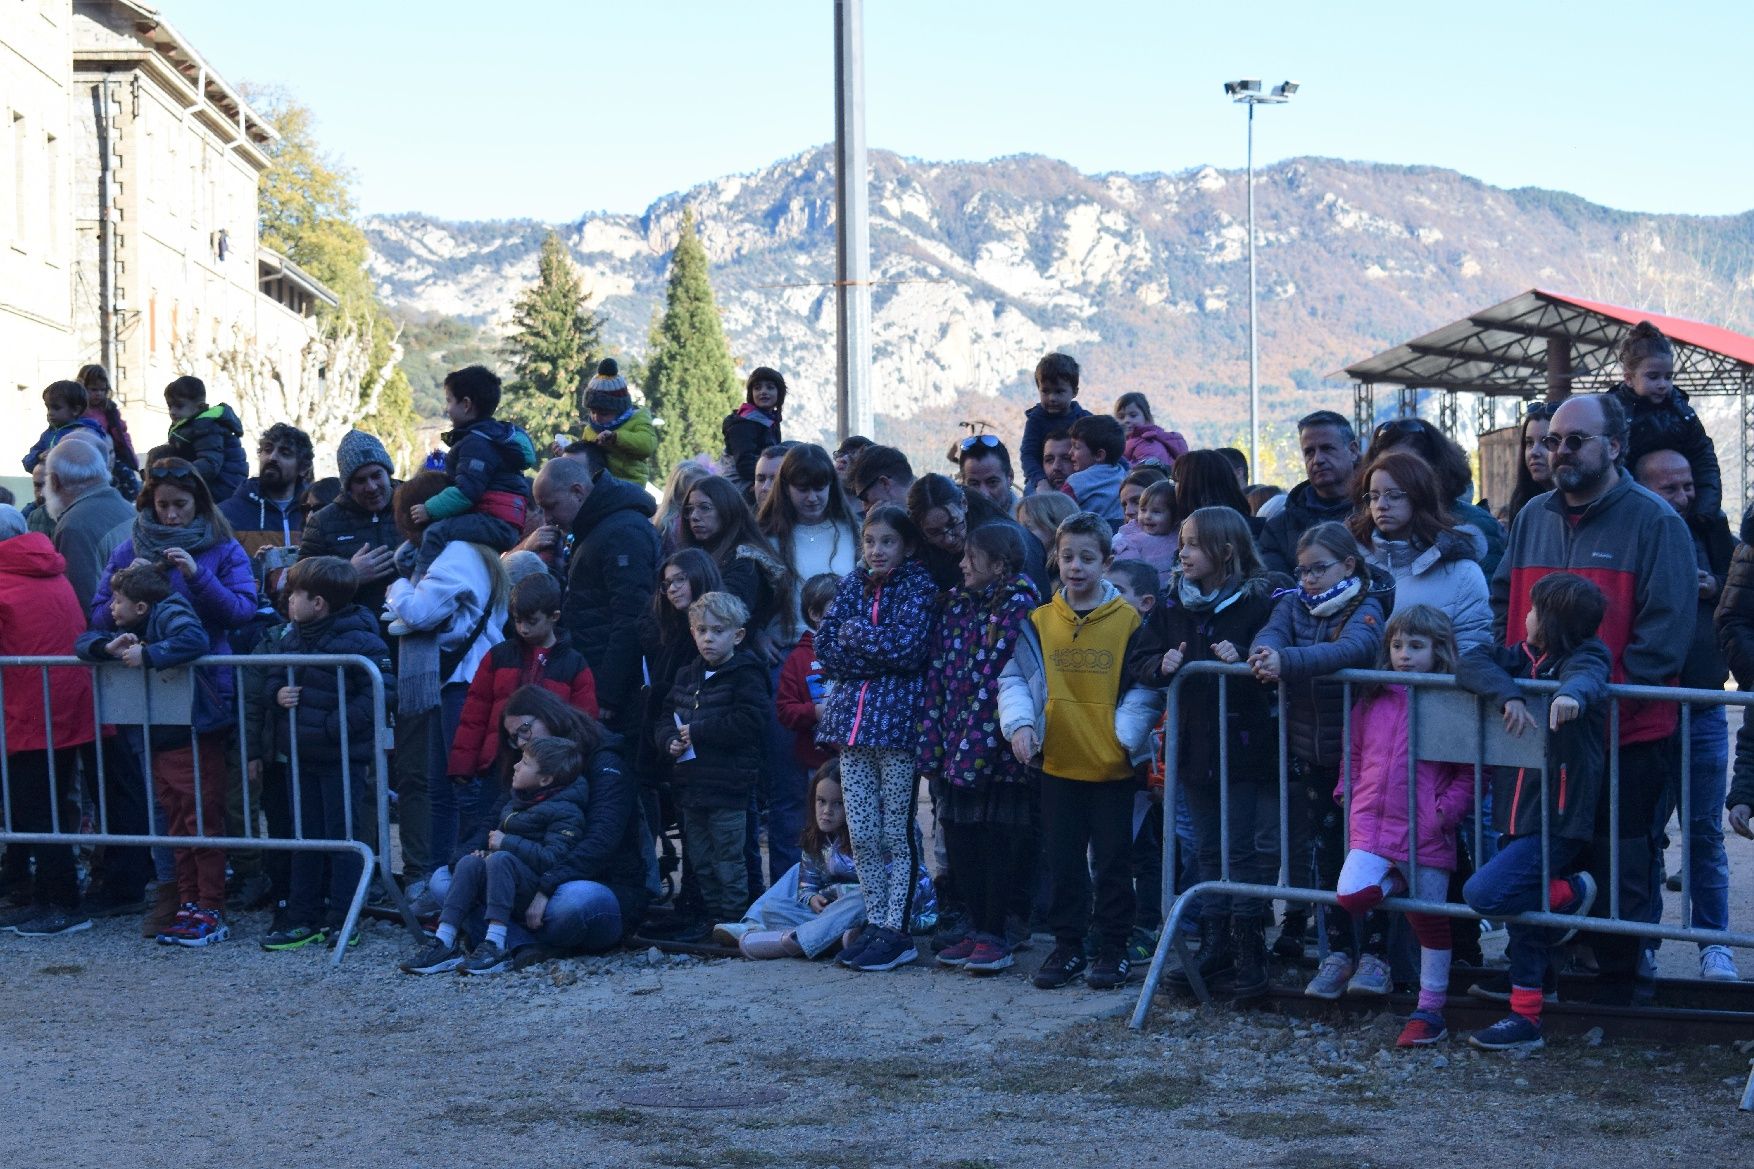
(450, 598)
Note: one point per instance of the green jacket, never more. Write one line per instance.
(630, 456)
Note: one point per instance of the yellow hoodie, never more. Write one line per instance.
(1085, 660)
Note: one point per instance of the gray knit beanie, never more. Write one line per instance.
(12, 522)
(358, 449)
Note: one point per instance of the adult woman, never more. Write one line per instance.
(1534, 473)
(718, 522)
(1454, 477)
(1405, 527)
(672, 501)
(807, 517)
(1207, 479)
(447, 619)
(945, 514)
(594, 896)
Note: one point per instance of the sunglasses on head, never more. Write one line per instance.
(179, 474)
(974, 440)
(1401, 426)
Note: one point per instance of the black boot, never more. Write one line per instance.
(1249, 936)
(1213, 959)
(1289, 945)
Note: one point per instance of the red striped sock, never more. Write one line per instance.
(1526, 1001)
(1560, 893)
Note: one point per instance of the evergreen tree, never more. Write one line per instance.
(690, 381)
(552, 347)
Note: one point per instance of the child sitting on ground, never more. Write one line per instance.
(1565, 612)
(818, 902)
(1145, 439)
(1095, 482)
(1056, 383)
(539, 822)
(210, 437)
(1152, 537)
(803, 691)
(156, 628)
(1417, 640)
(489, 496)
(623, 431)
(65, 405)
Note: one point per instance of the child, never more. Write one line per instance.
(101, 408)
(873, 644)
(1056, 381)
(818, 901)
(1136, 581)
(1218, 601)
(157, 628)
(1152, 537)
(624, 431)
(65, 405)
(1565, 612)
(753, 427)
(1095, 482)
(541, 654)
(982, 791)
(333, 788)
(1066, 708)
(1658, 416)
(210, 437)
(1145, 439)
(541, 820)
(1133, 488)
(1417, 640)
(713, 729)
(802, 689)
(489, 496)
(1332, 621)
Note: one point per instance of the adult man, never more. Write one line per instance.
(880, 474)
(269, 510)
(91, 517)
(1601, 525)
(1056, 460)
(360, 526)
(1330, 464)
(612, 576)
(767, 470)
(986, 470)
(1668, 474)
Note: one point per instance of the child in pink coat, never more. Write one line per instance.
(1420, 640)
(1146, 439)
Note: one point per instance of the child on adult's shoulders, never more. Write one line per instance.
(1056, 384)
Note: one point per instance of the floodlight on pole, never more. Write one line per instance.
(1248, 92)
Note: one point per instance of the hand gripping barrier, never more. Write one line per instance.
(135, 701)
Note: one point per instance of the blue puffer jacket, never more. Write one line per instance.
(873, 645)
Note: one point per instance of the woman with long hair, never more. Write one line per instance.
(1454, 477)
(807, 517)
(1534, 472)
(1207, 479)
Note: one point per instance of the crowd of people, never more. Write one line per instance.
(704, 716)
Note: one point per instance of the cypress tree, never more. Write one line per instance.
(553, 346)
(690, 383)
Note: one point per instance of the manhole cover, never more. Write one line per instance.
(675, 1096)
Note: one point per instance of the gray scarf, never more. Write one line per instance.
(153, 539)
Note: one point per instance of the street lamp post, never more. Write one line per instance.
(1248, 92)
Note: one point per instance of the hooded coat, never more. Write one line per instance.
(873, 644)
(609, 586)
(1445, 575)
(40, 617)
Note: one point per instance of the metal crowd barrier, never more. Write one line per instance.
(1445, 724)
(124, 696)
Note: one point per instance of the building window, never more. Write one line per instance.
(52, 166)
(152, 324)
(20, 180)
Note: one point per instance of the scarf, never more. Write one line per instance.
(750, 411)
(1189, 596)
(153, 539)
(1332, 601)
(615, 422)
(417, 673)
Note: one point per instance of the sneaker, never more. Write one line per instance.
(1141, 946)
(953, 930)
(1370, 979)
(488, 958)
(203, 927)
(1109, 971)
(295, 937)
(1496, 988)
(1063, 965)
(1716, 964)
(849, 950)
(729, 933)
(11, 919)
(437, 958)
(889, 949)
(989, 956)
(1331, 978)
(1511, 1033)
(764, 944)
(957, 953)
(181, 924)
(332, 936)
(1422, 1030)
(54, 922)
(1584, 886)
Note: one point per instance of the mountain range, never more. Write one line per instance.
(981, 267)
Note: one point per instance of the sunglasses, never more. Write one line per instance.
(1571, 442)
(987, 440)
(163, 474)
(1401, 426)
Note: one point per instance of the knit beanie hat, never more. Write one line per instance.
(607, 392)
(11, 522)
(357, 450)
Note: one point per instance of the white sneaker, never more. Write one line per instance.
(730, 933)
(1717, 964)
(1330, 980)
(1371, 978)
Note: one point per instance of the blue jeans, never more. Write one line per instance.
(1510, 883)
(456, 807)
(780, 909)
(1708, 876)
(581, 915)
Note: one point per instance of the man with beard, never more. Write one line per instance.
(360, 526)
(269, 511)
(1330, 462)
(91, 517)
(1603, 526)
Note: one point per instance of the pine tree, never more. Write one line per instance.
(690, 383)
(553, 345)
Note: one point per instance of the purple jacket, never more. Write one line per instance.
(1379, 787)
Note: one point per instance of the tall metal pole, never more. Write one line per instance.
(1254, 378)
(852, 230)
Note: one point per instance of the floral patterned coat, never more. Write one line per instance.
(959, 718)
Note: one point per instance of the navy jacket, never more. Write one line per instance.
(485, 455)
(1674, 426)
(611, 848)
(213, 441)
(320, 714)
(727, 716)
(172, 636)
(609, 585)
(873, 644)
(1037, 424)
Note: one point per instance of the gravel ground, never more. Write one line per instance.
(120, 1052)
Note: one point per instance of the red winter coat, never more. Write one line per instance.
(508, 666)
(797, 709)
(40, 616)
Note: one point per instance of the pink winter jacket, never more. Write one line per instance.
(1379, 787)
(1151, 441)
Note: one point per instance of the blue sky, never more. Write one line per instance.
(549, 109)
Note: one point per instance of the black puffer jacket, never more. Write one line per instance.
(726, 716)
(353, 630)
(1713, 547)
(541, 829)
(609, 585)
(1672, 425)
(342, 529)
(1303, 510)
(610, 849)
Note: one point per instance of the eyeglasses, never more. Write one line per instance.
(1311, 571)
(523, 731)
(160, 473)
(1571, 442)
(953, 527)
(675, 582)
(1392, 495)
(1401, 426)
(987, 440)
